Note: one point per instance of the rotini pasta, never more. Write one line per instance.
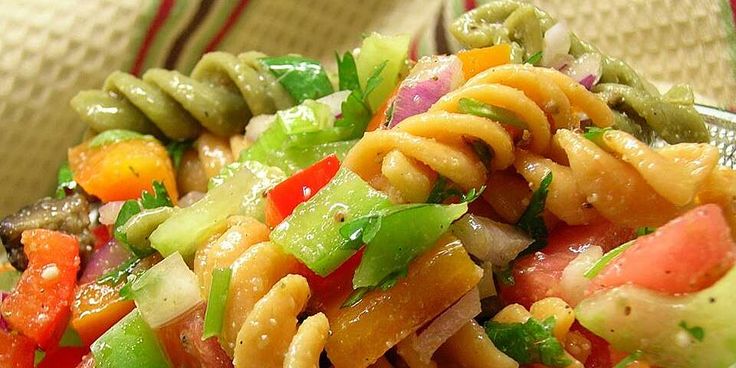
(623, 180)
(639, 106)
(221, 94)
(264, 300)
(438, 139)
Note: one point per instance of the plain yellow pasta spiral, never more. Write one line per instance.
(260, 327)
(404, 160)
(628, 182)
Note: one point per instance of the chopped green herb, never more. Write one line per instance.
(374, 79)
(347, 72)
(595, 134)
(696, 332)
(629, 359)
(607, 258)
(356, 112)
(159, 198)
(176, 152)
(528, 342)
(499, 114)
(483, 150)
(302, 77)
(644, 230)
(355, 297)
(472, 194)
(506, 276)
(534, 59)
(65, 181)
(213, 317)
(442, 190)
(531, 221)
(129, 209)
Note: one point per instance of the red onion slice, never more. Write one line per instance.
(109, 212)
(103, 260)
(432, 78)
(446, 325)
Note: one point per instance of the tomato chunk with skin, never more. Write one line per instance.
(39, 305)
(122, 170)
(182, 341)
(64, 357)
(685, 255)
(16, 350)
(537, 276)
(337, 283)
(284, 197)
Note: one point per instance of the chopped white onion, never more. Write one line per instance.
(334, 101)
(109, 212)
(573, 282)
(556, 46)
(257, 125)
(490, 241)
(446, 325)
(166, 291)
(586, 69)
(486, 286)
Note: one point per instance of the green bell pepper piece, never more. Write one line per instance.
(129, 343)
(312, 232)
(240, 194)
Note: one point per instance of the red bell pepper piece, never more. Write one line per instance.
(64, 357)
(16, 350)
(285, 196)
(38, 307)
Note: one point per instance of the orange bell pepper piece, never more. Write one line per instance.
(122, 170)
(478, 60)
(361, 334)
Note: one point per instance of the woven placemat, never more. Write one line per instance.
(49, 50)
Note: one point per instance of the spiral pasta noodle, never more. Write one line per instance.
(639, 108)
(626, 181)
(264, 299)
(221, 94)
(404, 158)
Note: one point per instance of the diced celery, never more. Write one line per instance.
(375, 50)
(166, 291)
(661, 326)
(312, 232)
(240, 194)
(129, 343)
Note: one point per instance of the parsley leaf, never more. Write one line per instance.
(442, 190)
(479, 108)
(347, 72)
(129, 209)
(644, 230)
(534, 59)
(159, 198)
(629, 359)
(528, 342)
(374, 79)
(176, 152)
(356, 112)
(696, 332)
(595, 134)
(531, 221)
(303, 78)
(65, 181)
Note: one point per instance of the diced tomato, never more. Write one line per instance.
(16, 350)
(102, 235)
(122, 170)
(182, 341)
(537, 275)
(685, 255)
(38, 307)
(63, 357)
(334, 284)
(285, 196)
(600, 354)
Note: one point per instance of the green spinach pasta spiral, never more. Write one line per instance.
(638, 106)
(221, 94)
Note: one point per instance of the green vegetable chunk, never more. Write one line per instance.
(375, 51)
(213, 318)
(396, 236)
(528, 342)
(242, 193)
(302, 77)
(129, 343)
(632, 318)
(312, 232)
